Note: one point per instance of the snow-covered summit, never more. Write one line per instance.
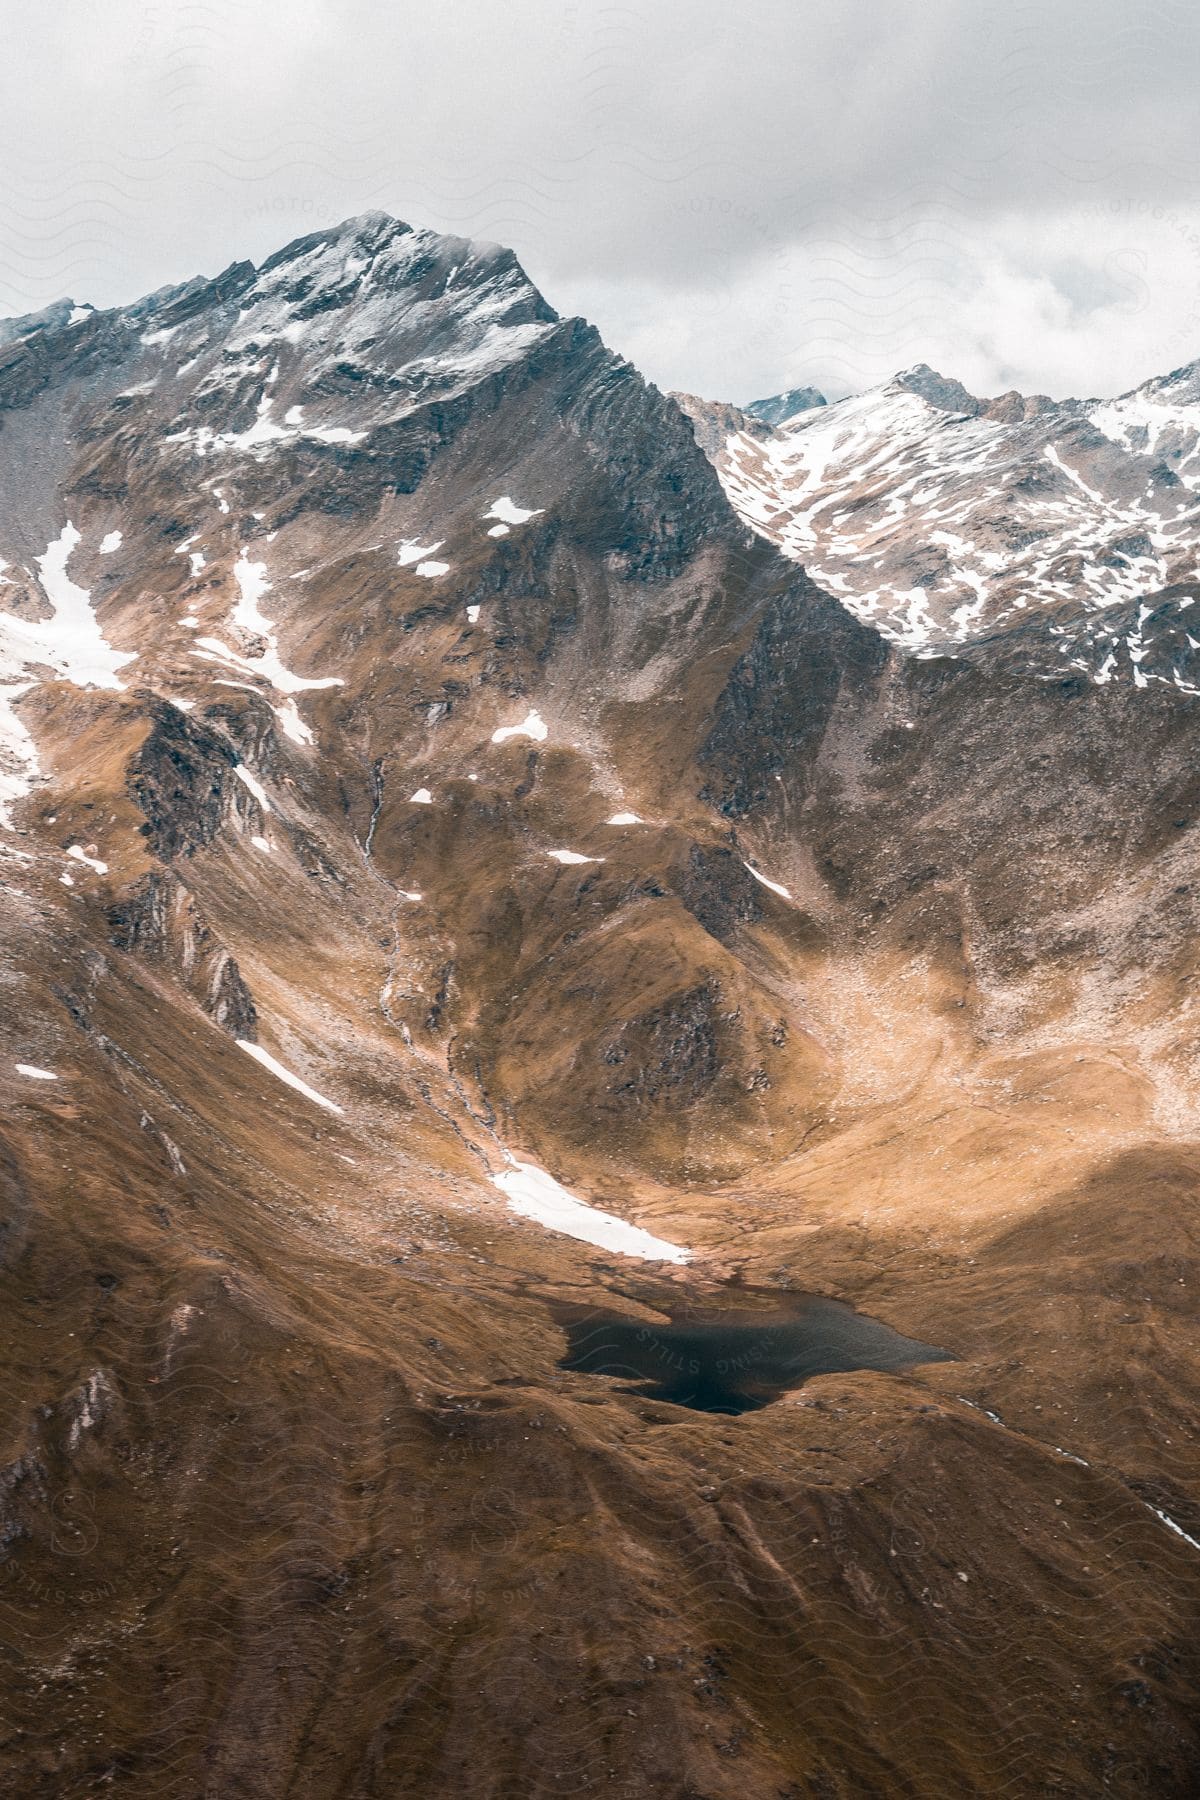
(335, 335)
(339, 333)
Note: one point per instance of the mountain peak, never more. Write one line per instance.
(778, 408)
(368, 232)
(374, 250)
(942, 391)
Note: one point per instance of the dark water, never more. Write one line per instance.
(734, 1358)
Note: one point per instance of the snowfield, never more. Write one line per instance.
(533, 1194)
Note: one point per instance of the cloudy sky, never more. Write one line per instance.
(743, 195)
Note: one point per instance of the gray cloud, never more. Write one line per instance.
(742, 198)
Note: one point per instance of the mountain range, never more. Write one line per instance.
(501, 863)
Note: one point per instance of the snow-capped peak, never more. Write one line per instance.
(941, 518)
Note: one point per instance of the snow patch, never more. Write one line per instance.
(89, 1402)
(255, 786)
(292, 724)
(531, 726)
(410, 551)
(263, 434)
(506, 509)
(72, 641)
(776, 887)
(293, 1081)
(85, 856)
(572, 856)
(252, 584)
(334, 434)
(422, 797)
(110, 542)
(533, 1194)
(34, 1073)
(625, 818)
(1172, 1526)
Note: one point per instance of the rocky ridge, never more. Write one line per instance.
(1066, 527)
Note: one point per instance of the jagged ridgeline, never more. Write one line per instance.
(514, 884)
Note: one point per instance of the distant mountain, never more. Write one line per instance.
(785, 406)
(500, 865)
(1068, 528)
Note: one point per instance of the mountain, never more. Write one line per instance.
(779, 407)
(1066, 528)
(599, 1063)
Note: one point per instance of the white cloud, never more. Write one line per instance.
(1085, 302)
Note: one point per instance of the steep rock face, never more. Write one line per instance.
(180, 779)
(386, 678)
(714, 421)
(719, 892)
(807, 658)
(160, 920)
